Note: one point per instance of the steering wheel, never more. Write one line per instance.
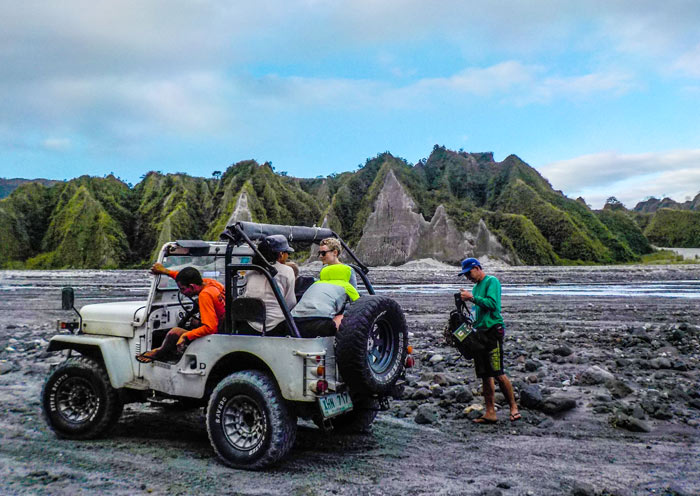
(189, 312)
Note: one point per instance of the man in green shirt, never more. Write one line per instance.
(486, 296)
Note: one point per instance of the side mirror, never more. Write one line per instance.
(67, 298)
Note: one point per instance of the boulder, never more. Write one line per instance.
(463, 395)
(562, 351)
(582, 489)
(531, 396)
(595, 375)
(618, 388)
(421, 394)
(557, 404)
(426, 414)
(630, 423)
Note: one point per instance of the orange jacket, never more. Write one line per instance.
(211, 308)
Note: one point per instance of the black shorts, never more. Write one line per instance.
(311, 327)
(246, 329)
(490, 363)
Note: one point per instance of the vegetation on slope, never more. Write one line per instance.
(674, 228)
(102, 222)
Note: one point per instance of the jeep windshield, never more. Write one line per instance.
(210, 266)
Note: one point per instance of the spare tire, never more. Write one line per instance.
(371, 344)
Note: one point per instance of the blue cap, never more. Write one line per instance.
(468, 264)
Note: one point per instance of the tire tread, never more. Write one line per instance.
(284, 427)
(113, 403)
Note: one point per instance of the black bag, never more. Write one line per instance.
(461, 334)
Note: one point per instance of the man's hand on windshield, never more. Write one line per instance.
(158, 268)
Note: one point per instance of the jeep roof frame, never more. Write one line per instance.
(247, 232)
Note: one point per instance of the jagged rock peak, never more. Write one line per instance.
(395, 232)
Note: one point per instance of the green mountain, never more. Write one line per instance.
(674, 228)
(7, 186)
(467, 200)
(653, 204)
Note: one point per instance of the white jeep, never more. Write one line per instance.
(254, 387)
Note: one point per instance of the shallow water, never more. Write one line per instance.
(675, 289)
(95, 285)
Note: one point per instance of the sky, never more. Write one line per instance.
(601, 97)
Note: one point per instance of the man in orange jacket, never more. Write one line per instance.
(211, 310)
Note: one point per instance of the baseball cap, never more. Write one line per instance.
(468, 264)
(279, 244)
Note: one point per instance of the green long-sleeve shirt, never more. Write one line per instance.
(487, 303)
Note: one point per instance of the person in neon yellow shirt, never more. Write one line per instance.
(320, 310)
(486, 296)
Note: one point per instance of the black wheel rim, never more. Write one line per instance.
(381, 346)
(77, 400)
(244, 423)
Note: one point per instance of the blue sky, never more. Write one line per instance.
(602, 97)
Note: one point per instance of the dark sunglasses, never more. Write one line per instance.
(323, 253)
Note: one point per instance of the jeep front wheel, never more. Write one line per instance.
(248, 421)
(371, 344)
(78, 402)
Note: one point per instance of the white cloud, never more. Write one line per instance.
(497, 78)
(579, 87)
(188, 103)
(629, 177)
(507, 81)
(56, 144)
(689, 63)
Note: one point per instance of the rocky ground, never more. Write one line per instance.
(609, 389)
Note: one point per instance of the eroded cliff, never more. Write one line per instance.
(396, 232)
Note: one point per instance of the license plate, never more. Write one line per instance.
(335, 404)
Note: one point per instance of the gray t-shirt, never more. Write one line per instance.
(258, 287)
(321, 300)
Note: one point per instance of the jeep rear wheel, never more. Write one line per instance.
(78, 402)
(248, 421)
(371, 344)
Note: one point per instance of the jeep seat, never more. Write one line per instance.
(248, 309)
(301, 284)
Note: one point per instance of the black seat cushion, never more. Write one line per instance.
(301, 284)
(244, 309)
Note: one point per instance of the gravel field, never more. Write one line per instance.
(608, 385)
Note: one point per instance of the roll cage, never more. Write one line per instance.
(249, 232)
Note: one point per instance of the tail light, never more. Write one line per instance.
(66, 326)
(319, 387)
(410, 361)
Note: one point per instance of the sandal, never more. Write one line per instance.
(515, 416)
(147, 357)
(484, 420)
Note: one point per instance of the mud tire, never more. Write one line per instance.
(77, 400)
(248, 422)
(371, 345)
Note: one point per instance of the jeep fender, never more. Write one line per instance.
(110, 350)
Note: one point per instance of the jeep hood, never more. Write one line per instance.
(113, 319)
